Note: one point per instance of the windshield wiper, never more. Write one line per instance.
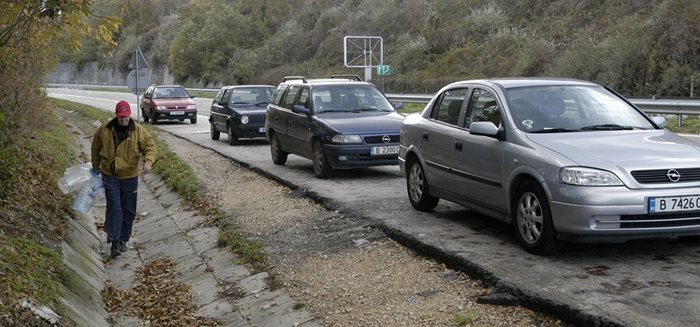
(606, 127)
(259, 103)
(554, 130)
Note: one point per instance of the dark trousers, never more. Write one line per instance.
(121, 207)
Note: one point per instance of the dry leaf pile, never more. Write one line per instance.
(157, 298)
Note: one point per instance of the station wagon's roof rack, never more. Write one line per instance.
(348, 76)
(287, 78)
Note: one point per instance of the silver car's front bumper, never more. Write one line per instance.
(617, 213)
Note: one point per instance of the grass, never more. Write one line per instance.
(33, 211)
(690, 125)
(463, 320)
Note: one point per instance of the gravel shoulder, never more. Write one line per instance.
(342, 270)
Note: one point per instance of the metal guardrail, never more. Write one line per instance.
(652, 106)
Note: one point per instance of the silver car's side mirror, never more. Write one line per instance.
(660, 120)
(485, 128)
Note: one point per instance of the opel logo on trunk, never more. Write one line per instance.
(386, 139)
(673, 175)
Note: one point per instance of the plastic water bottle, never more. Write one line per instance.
(86, 197)
(74, 177)
(100, 198)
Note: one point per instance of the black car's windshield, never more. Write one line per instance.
(251, 96)
(559, 109)
(349, 98)
(170, 92)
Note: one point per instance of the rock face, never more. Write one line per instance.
(90, 73)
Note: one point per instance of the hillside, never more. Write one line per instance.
(639, 48)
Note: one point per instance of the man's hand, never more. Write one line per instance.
(146, 167)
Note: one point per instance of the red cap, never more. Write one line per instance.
(123, 109)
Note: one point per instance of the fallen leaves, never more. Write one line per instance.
(157, 298)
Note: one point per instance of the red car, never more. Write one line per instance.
(168, 102)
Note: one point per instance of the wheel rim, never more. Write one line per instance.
(416, 182)
(318, 155)
(530, 218)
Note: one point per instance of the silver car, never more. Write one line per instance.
(561, 159)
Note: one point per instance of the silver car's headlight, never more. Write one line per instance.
(244, 119)
(340, 138)
(588, 177)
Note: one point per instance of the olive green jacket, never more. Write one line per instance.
(122, 160)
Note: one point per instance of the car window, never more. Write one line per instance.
(291, 96)
(482, 107)
(353, 97)
(251, 96)
(448, 108)
(277, 96)
(227, 95)
(218, 96)
(304, 98)
(170, 92)
(571, 108)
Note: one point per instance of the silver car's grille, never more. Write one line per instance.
(377, 139)
(667, 220)
(665, 175)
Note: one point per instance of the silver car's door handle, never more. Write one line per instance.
(458, 146)
(426, 136)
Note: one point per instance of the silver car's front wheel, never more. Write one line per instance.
(532, 220)
(417, 187)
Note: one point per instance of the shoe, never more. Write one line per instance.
(122, 246)
(114, 250)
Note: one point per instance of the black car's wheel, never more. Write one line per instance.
(232, 139)
(145, 118)
(417, 187)
(154, 119)
(279, 156)
(322, 169)
(213, 132)
(193, 121)
(532, 220)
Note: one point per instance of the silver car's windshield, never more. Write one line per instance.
(553, 109)
(349, 98)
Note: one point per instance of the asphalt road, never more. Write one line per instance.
(643, 283)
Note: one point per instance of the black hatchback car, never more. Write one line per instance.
(339, 123)
(239, 111)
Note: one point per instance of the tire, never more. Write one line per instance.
(232, 139)
(418, 189)
(213, 132)
(690, 238)
(193, 121)
(322, 169)
(279, 156)
(532, 220)
(145, 118)
(154, 119)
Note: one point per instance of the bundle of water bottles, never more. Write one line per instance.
(89, 181)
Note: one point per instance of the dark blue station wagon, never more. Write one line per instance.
(339, 123)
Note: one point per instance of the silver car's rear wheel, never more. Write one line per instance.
(532, 220)
(417, 187)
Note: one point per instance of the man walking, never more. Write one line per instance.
(116, 149)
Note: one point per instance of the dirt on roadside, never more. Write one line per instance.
(343, 271)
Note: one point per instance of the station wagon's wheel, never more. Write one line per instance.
(232, 139)
(279, 157)
(417, 187)
(213, 132)
(532, 220)
(322, 168)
